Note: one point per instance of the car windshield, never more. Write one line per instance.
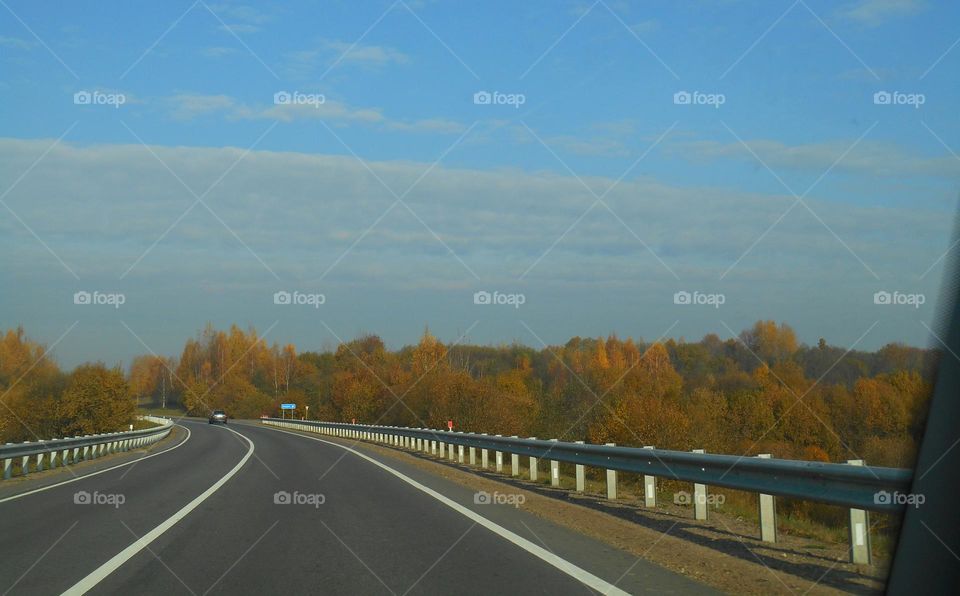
(504, 297)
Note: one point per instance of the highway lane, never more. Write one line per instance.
(60, 541)
(371, 532)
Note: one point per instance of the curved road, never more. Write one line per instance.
(203, 517)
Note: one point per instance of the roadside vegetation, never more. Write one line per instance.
(762, 392)
(42, 402)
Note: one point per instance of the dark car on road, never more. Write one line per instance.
(218, 417)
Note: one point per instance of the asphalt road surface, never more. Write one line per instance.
(246, 509)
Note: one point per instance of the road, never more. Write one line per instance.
(201, 515)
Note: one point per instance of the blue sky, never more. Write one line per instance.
(785, 185)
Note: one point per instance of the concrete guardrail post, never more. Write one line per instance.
(473, 456)
(611, 479)
(443, 450)
(859, 530)
(484, 455)
(554, 470)
(767, 505)
(699, 496)
(533, 466)
(498, 458)
(40, 462)
(649, 487)
(25, 464)
(460, 450)
(515, 462)
(581, 475)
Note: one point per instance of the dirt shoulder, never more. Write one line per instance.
(720, 552)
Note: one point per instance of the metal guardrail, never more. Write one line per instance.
(68, 450)
(857, 486)
(836, 484)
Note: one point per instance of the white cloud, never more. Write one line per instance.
(101, 206)
(240, 18)
(217, 52)
(435, 125)
(187, 106)
(239, 28)
(16, 43)
(373, 55)
(870, 157)
(876, 12)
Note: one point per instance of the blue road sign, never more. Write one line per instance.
(288, 406)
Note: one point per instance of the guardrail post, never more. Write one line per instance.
(498, 456)
(483, 458)
(53, 460)
(76, 452)
(554, 469)
(86, 453)
(8, 467)
(533, 467)
(581, 475)
(25, 464)
(473, 456)
(859, 530)
(433, 447)
(460, 453)
(452, 452)
(611, 479)
(768, 513)
(649, 487)
(443, 450)
(515, 462)
(40, 462)
(699, 496)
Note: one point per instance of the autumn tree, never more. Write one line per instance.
(770, 342)
(97, 400)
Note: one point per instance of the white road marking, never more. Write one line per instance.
(98, 575)
(563, 565)
(129, 463)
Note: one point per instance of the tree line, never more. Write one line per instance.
(761, 392)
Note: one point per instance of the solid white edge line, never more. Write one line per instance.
(76, 478)
(100, 573)
(578, 573)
